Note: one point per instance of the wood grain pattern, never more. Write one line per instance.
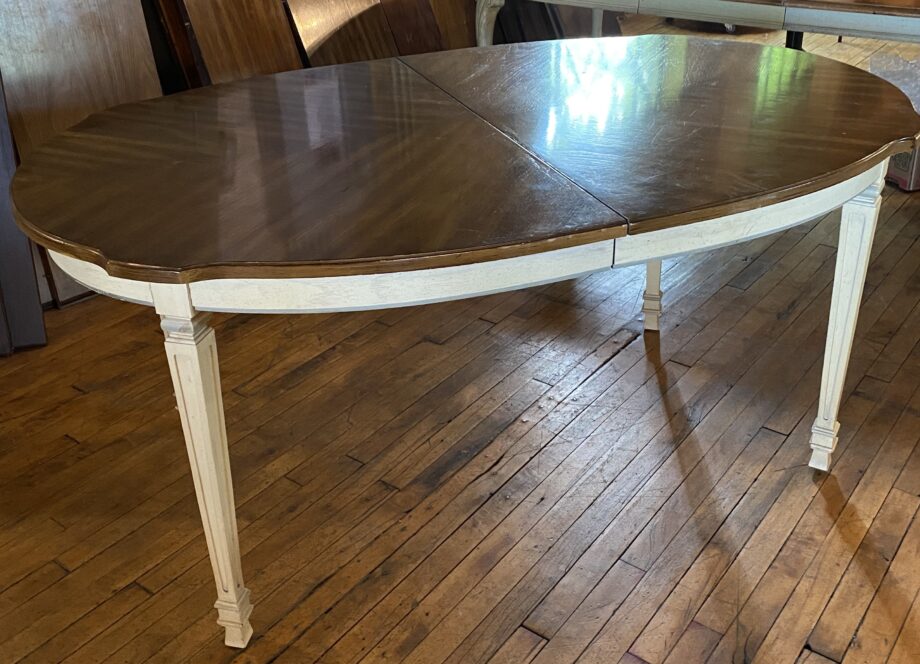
(456, 22)
(66, 60)
(361, 167)
(388, 465)
(413, 25)
(372, 168)
(341, 31)
(669, 131)
(242, 38)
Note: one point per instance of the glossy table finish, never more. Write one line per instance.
(452, 158)
(432, 178)
(352, 168)
(667, 131)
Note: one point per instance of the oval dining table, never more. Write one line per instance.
(450, 175)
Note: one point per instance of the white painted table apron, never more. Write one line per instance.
(192, 350)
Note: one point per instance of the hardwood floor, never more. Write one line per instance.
(519, 478)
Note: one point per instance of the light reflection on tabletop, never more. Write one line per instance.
(451, 156)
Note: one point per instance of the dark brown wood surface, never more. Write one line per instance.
(341, 31)
(456, 22)
(370, 167)
(397, 471)
(242, 38)
(62, 60)
(670, 130)
(322, 171)
(413, 25)
(518, 472)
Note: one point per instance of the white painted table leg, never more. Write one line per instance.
(857, 230)
(651, 298)
(192, 353)
(486, 13)
(597, 22)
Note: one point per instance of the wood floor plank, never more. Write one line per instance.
(790, 631)
(696, 643)
(521, 648)
(889, 609)
(843, 613)
(586, 621)
(746, 618)
(810, 657)
(907, 648)
(536, 580)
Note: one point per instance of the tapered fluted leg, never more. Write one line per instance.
(192, 353)
(486, 13)
(651, 298)
(857, 230)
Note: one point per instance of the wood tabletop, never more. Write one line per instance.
(452, 158)
(671, 130)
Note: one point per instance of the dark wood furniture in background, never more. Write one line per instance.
(21, 322)
(227, 41)
(258, 34)
(314, 172)
(379, 184)
(68, 60)
(398, 182)
(64, 60)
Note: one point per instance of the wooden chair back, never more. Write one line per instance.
(337, 31)
(62, 60)
(240, 38)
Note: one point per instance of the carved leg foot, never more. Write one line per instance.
(857, 230)
(192, 353)
(651, 298)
